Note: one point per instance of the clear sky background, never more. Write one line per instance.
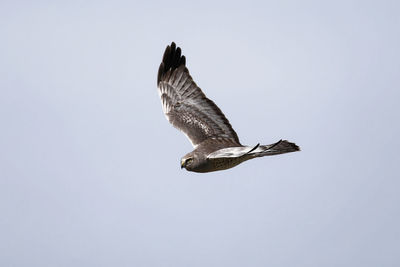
(89, 166)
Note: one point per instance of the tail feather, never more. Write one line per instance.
(249, 152)
(280, 147)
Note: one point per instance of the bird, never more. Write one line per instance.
(186, 107)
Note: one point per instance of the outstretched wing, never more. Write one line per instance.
(185, 105)
(280, 147)
(232, 152)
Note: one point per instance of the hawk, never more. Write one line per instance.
(216, 144)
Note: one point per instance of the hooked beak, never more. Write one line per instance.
(182, 164)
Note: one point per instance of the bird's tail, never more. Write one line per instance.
(280, 147)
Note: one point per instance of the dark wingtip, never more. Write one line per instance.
(172, 59)
(254, 148)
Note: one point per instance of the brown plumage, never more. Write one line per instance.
(186, 107)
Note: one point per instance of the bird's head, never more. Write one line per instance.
(192, 162)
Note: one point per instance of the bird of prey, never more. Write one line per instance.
(216, 144)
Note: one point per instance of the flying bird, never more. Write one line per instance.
(216, 144)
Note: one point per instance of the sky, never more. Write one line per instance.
(90, 168)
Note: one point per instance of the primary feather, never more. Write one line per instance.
(186, 107)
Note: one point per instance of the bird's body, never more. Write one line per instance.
(209, 146)
(216, 144)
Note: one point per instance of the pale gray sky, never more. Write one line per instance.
(89, 167)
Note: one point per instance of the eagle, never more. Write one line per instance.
(186, 107)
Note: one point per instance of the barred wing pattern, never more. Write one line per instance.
(185, 105)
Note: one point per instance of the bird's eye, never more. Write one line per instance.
(188, 161)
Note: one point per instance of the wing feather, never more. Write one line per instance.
(233, 152)
(185, 105)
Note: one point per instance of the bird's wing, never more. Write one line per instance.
(233, 152)
(185, 105)
(282, 146)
